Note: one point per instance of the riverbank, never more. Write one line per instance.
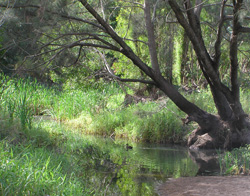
(206, 186)
(50, 159)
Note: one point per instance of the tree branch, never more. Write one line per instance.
(79, 54)
(197, 42)
(151, 37)
(93, 45)
(244, 30)
(217, 45)
(198, 8)
(234, 51)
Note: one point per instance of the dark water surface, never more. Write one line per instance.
(139, 171)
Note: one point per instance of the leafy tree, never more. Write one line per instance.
(66, 30)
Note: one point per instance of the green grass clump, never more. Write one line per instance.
(235, 162)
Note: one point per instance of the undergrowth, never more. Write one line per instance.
(93, 111)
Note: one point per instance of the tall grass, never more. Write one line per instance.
(30, 164)
(32, 171)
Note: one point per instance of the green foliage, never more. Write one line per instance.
(198, 97)
(141, 122)
(130, 26)
(245, 93)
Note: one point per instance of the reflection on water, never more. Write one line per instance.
(136, 171)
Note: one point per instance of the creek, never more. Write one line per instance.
(140, 170)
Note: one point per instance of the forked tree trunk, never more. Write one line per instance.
(229, 128)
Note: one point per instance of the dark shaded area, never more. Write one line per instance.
(206, 160)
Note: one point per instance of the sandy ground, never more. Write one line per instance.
(206, 186)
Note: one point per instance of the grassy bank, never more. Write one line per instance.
(102, 111)
(39, 158)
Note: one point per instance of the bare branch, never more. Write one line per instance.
(93, 45)
(198, 8)
(78, 19)
(154, 11)
(55, 13)
(193, 18)
(79, 54)
(20, 6)
(136, 3)
(205, 60)
(103, 11)
(230, 17)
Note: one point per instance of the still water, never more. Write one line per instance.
(140, 170)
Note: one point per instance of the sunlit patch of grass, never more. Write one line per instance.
(204, 100)
(81, 123)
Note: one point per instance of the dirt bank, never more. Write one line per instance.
(206, 186)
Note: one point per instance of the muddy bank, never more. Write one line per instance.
(206, 186)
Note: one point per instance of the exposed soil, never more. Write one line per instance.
(206, 186)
